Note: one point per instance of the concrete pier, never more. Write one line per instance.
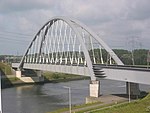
(94, 88)
(39, 73)
(18, 74)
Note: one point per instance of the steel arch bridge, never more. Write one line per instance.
(68, 46)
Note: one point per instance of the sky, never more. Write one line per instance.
(123, 24)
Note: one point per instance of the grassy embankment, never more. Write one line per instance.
(5, 69)
(7, 81)
(139, 106)
(76, 107)
(61, 77)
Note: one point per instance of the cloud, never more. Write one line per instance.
(138, 10)
(114, 20)
(10, 6)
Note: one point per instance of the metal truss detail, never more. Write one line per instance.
(65, 41)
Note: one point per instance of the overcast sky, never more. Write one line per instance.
(120, 23)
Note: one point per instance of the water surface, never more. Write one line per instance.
(51, 96)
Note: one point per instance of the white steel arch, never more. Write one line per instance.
(112, 54)
(76, 26)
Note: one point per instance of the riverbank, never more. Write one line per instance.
(50, 77)
(52, 96)
(112, 104)
(138, 106)
(11, 80)
(102, 101)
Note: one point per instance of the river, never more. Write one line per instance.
(51, 96)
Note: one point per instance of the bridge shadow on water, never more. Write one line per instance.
(29, 73)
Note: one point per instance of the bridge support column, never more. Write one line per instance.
(39, 73)
(134, 89)
(95, 88)
(18, 74)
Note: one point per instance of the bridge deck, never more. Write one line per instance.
(135, 74)
(78, 70)
(123, 67)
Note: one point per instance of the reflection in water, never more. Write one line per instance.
(51, 96)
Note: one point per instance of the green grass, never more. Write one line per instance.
(5, 68)
(139, 106)
(13, 79)
(60, 76)
(98, 107)
(10, 79)
(75, 107)
(83, 106)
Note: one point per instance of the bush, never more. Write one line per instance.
(55, 76)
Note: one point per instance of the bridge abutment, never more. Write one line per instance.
(18, 74)
(27, 79)
(94, 88)
(132, 89)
